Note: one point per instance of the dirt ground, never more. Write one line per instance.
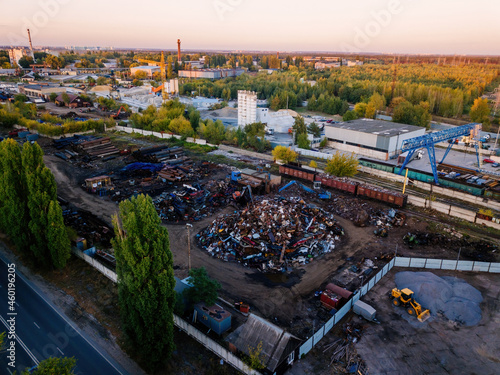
(402, 345)
(286, 299)
(438, 346)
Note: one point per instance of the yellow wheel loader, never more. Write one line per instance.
(404, 297)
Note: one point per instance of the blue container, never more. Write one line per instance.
(214, 317)
(32, 137)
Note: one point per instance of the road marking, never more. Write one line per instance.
(37, 326)
(20, 342)
(62, 316)
(60, 351)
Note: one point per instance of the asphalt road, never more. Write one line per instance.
(43, 331)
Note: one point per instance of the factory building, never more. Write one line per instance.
(16, 54)
(42, 90)
(149, 69)
(210, 73)
(373, 138)
(247, 107)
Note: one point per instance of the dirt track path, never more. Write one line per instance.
(69, 189)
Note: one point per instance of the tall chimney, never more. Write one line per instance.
(179, 50)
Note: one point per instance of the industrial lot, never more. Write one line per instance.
(391, 270)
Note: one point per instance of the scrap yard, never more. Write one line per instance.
(288, 252)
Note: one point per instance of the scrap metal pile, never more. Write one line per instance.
(88, 226)
(273, 235)
(193, 203)
(161, 154)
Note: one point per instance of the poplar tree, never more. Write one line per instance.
(13, 208)
(144, 266)
(46, 228)
(58, 241)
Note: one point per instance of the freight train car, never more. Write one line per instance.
(346, 185)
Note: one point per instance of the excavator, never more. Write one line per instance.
(405, 298)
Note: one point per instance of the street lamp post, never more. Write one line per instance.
(189, 245)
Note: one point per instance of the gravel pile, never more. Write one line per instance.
(455, 298)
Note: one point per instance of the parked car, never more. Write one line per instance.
(488, 161)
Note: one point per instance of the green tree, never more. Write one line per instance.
(300, 127)
(41, 191)
(181, 126)
(480, 111)
(349, 116)
(407, 113)
(313, 164)
(57, 236)
(342, 165)
(169, 67)
(204, 288)
(377, 101)
(65, 98)
(370, 111)
(314, 129)
(284, 154)
(303, 141)
(360, 109)
(140, 74)
(53, 96)
(324, 142)
(144, 264)
(194, 119)
(54, 365)
(214, 132)
(13, 195)
(256, 359)
(26, 61)
(101, 81)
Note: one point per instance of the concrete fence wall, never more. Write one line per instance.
(97, 265)
(161, 135)
(314, 154)
(252, 154)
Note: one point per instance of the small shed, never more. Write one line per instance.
(279, 348)
(95, 183)
(214, 317)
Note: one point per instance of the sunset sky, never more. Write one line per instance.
(389, 26)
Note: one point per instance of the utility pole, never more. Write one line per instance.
(189, 245)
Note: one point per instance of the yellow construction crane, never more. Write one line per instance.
(164, 93)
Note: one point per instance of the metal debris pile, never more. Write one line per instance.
(273, 235)
(87, 225)
(193, 202)
(344, 358)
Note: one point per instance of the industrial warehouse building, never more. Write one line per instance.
(148, 69)
(373, 138)
(210, 73)
(41, 90)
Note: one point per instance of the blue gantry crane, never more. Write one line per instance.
(429, 140)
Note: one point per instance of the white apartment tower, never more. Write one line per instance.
(247, 107)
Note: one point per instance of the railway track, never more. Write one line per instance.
(409, 190)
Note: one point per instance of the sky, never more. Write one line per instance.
(384, 26)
